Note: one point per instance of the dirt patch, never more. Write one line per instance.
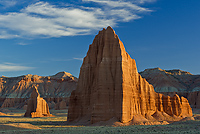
(22, 125)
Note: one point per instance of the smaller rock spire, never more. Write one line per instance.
(37, 106)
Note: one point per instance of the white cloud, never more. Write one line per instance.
(43, 19)
(71, 17)
(6, 67)
(31, 25)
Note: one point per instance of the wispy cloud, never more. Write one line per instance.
(54, 59)
(22, 43)
(6, 67)
(145, 1)
(8, 3)
(121, 4)
(5, 35)
(81, 59)
(43, 19)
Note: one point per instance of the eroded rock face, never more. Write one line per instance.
(170, 82)
(109, 86)
(13, 102)
(37, 106)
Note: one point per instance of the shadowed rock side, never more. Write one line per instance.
(194, 99)
(170, 82)
(109, 87)
(37, 106)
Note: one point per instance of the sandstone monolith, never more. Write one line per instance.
(110, 86)
(37, 106)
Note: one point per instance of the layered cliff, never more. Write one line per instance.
(109, 87)
(14, 91)
(170, 82)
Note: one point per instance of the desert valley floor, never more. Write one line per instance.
(14, 123)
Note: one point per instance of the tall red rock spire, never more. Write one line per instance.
(110, 86)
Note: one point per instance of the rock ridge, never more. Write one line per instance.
(15, 91)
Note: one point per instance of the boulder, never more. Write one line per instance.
(37, 106)
(110, 86)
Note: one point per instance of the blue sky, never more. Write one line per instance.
(45, 37)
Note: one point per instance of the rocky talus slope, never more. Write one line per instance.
(110, 88)
(56, 89)
(170, 82)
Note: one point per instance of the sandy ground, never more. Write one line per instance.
(15, 123)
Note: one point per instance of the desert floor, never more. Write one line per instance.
(15, 123)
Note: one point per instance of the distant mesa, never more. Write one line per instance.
(172, 72)
(172, 80)
(37, 106)
(110, 89)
